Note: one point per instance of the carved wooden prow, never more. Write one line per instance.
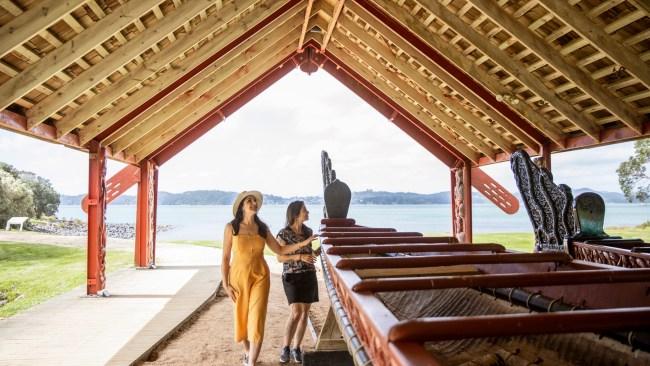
(337, 195)
(549, 205)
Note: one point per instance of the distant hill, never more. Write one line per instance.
(368, 197)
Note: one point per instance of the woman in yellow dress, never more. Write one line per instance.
(246, 278)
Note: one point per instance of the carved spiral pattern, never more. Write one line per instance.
(102, 230)
(604, 255)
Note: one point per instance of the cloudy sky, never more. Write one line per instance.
(273, 144)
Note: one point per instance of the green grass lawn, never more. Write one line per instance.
(33, 273)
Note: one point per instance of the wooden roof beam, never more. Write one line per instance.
(217, 115)
(406, 69)
(140, 43)
(305, 23)
(586, 123)
(446, 63)
(52, 63)
(447, 154)
(400, 100)
(130, 111)
(17, 123)
(36, 19)
(534, 84)
(592, 32)
(332, 25)
(243, 54)
(442, 116)
(196, 110)
(542, 49)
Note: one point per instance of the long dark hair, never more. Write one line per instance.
(262, 228)
(293, 211)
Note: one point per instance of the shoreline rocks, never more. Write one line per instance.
(80, 228)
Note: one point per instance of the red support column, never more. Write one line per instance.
(545, 153)
(145, 217)
(96, 280)
(461, 202)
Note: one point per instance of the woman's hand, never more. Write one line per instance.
(307, 258)
(232, 293)
(308, 241)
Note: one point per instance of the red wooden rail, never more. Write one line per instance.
(507, 280)
(448, 328)
(117, 184)
(450, 260)
(389, 240)
(354, 229)
(338, 234)
(413, 248)
(338, 222)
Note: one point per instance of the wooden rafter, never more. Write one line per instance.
(230, 63)
(305, 23)
(184, 67)
(599, 39)
(113, 61)
(448, 79)
(72, 51)
(424, 83)
(332, 25)
(555, 60)
(22, 28)
(432, 121)
(587, 124)
(217, 95)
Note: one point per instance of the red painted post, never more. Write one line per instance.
(155, 212)
(545, 152)
(144, 221)
(461, 202)
(96, 280)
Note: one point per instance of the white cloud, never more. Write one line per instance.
(273, 144)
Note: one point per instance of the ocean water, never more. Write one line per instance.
(207, 222)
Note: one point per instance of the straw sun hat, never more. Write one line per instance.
(244, 194)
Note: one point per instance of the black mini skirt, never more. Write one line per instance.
(300, 287)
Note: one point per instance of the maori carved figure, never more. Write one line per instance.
(548, 205)
(151, 187)
(337, 194)
(459, 205)
(102, 230)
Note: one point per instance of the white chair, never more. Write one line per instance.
(16, 221)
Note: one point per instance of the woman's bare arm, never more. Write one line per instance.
(225, 262)
(286, 249)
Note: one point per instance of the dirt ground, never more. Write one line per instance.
(208, 338)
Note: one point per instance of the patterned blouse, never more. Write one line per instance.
(290, 237)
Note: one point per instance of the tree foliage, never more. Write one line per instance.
(633, 174)
(25, 194)
(16, 198)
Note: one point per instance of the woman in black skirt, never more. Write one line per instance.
(298, 279)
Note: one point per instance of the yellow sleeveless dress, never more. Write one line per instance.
(249, 276)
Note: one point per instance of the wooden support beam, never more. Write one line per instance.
(215, 96)
(431, 123)
(535, 43)
(17, 123)
(586, 123)
(590, 31)
(434, 47)
(113, 61)
(144, 224)
(305, 23)
(260, 43)
(36, 19)
(96, 254)
(60, 58)
(211, 119)
(414, 248)
(167, 83)
(332, 25)
(439, 148)
(436, 93)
